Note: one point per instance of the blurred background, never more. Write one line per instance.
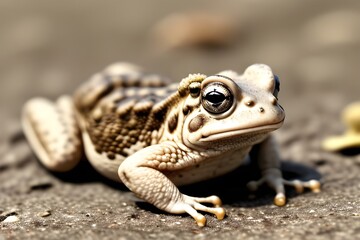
(48, 48)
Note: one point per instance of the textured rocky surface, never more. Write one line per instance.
(49, 48)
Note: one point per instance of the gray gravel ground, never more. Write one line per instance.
(49, 48)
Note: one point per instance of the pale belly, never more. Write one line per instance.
(106, 167)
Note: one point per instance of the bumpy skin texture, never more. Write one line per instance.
(152, 136)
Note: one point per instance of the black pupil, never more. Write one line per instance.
(215, 97)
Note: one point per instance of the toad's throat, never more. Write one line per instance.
(231, 133)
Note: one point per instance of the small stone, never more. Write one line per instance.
(11, 219)
(44, 214)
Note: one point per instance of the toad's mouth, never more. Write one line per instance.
(231, 133)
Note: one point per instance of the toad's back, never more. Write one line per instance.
(124, 110)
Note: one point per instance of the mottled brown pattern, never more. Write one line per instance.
(100, 85)
(126, 112)
(173, 121)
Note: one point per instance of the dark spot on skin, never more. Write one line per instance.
(141, 109)
(172, 124)
(125, 116)
(125, 81)
(118, 100)
(135, 81)
(187, 109)
(97, 120)
(124, 154)
(111, 155)
(109, 87)
(194, 91)
(197, 165)
(159, 115)
(98, 149)
(196, 123)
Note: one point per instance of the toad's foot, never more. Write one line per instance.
(191, 204)
(273, 178)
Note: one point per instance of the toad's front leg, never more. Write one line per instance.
(268, 159)
(142, 173)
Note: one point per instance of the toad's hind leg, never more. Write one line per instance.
(52, 132)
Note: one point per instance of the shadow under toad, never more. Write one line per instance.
(231, 188)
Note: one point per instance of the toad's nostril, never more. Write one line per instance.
(261, 109)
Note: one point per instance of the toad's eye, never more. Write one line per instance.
(216, 98)
(277, 86)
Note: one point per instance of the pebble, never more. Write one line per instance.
(44, 214)
(11, 219)
(351, 137)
